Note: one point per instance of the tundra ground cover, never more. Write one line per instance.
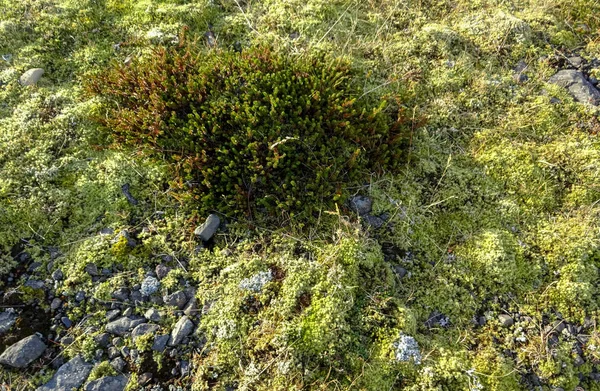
(476, 267)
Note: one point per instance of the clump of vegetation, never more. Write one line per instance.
(256, 131)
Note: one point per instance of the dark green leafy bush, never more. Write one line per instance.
(255, 131)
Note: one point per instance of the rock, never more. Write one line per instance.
(191, 308)
(505, 320)
(128, 311)
(125, 351)
(121, 294)
(118, 363)
(575, 61)
(80, 296)
(152, 315)
(400, 271)
(69, 376)
(574, 81)
(67, 340)
(34, 284)
(143, 329)
(7, 320)
(160, 342)
(108, 383)
(406, 349)
(112, 314)
(56, 304)
(127, 194)
(162, 271)
(24, 352)
(136, 296)
(436, 319)
(57, 275)
(145, 378)
(66, 321)
(31, 76)
(177, 299)
(182, 329)
(91, 269)
(150, 285)
(361, 204)
(122, 325)
(102, 340)
(113, 353)
(209, 228)
(257, 281)
(374, 221)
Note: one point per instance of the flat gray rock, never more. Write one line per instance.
(177, 299)
(24, 352)
(7, 320)
(361, 204)
(31, 76)
(122, 325)
(575, 82)
(69, 376)
(182, 329)
(143, 329)
(108, 383)
(160, 342)
(209, 228)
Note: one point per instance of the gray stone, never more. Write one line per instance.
(150, 285)
(66, 321)
(374, 221)
(136, 296)
(162, 271)
(31, 76)
(182, 329)
(143, 329)
(209, 228)
(574, 81)
(361, 204)
(34, 284)
(160, 342)
(118, 363)
(56, 304)
(505, 320)
(91, 269)
(125, 351)
(80, 296)
(177, 299)
(7, 320)
(576, 61)
(113, 352)
(400, 271)
(112, 314)
(122, 325)
(121, 294)
(145, 378)
(69, 376)
(152, 315)
(191, 308)
(24, 352)
(108, 383)
(57, 275)
(128, 311)
(102, 340)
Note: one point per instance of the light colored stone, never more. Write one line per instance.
(31, 76)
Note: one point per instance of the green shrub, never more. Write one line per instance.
(256, 131)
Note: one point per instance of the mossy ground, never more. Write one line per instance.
(495, 211)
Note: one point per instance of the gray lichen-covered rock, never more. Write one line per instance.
(7, 320)
(149, 286)
(122, 325)
(152, 314)
(69, 376)
(143, 329)
(257, 281)
(182, 329)
(108, 383)
(407, 348)
(209, 228)
(31, 76)
(506, 320)
(575, 82)
(24, 352)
